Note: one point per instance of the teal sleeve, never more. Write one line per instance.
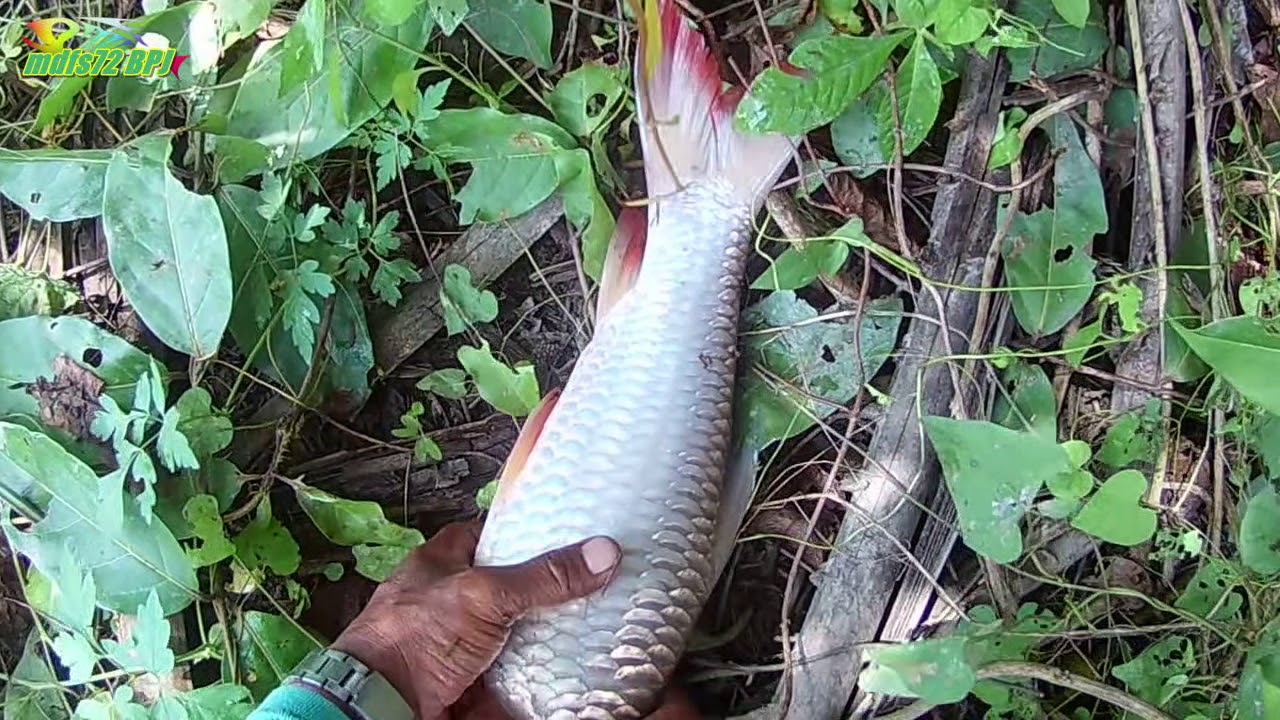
(290, 702)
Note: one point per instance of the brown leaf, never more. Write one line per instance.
(70, 400)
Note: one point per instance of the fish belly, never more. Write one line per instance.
(635, 449)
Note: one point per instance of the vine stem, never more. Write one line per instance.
(1052, 675)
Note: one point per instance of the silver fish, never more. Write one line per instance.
(638, 445)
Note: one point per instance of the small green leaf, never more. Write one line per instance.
(915, 14)
(424, 448)
(832, 72)
(202, 513)
(352, 522)
(390, 276)
(1160, 671)
(1244, 352)
(805, 260)
(224, 701)
(1113, 514)
(1080, 343)
(855, 135)
(168, 249)
(1007, 145)
(175, 451)
(919, 97)
(1065, 48)
(267, 647)
(377, 562)
(1075, 12)
(389, 13)
(148, 644)
(32, 691)
(207, 432)
(513, 391)
(1260, 533)
(583, 99)
(935, 671)
(1030, 403)
(994, 475)
(24, 293)
(77, 654)
(521, 28)
(1259, 697)
(448, 383)
(448, 14)
(958, 22)
(463, 304)
(486, 494)
(265, 543)
(1127, 442)
(1205, 592)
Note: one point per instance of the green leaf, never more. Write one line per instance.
(486, 494)
(583, 99)
(386, 281)
(208, 432)
(217, 477)
(855, 134)
(1127, 442)
(447, 383)
(791, 383)
(1259, 697)
(1260, 533)
(60, 100)
(463, 304)
(202, 513)
(1030, 404)
(1080, 344)
(300, 314)
(377, 562)
(73, 595)
(521, 28)
(1243, 351)
(24, 293)
(53, 184)
(361, 64)
(1114, 513)
(1049, 248)
(424, 448)
(304, 45)
(1159, 672)
(834, 71)
(1213, 581)
(993, 474)
(517, 162)
(1075, 12)
(267, 647)
(265, 543)
(119, 705)
(919, 97)
(75, 652)
(935, 671)
(389, 13)
(958, 22)
(32, 691)
(223, 701)
(1068, 48)
(513, 391)
(129, 558)
(805, 260)
(1007, 145)
(192, 29)
(352, 522)
(175, 452)
(448, 14)
(148, 644)
(168, 249)
(916, 14)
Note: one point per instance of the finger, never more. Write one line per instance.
(454, 546)
(552, 578)
(676, 706)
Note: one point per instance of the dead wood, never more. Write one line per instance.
(857, 585)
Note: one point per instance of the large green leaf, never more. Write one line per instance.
(42, 339)
(1259, 697)
(1260, 533)
(1069, 48)
(521, 28)
(352, 522)
(127, 556)
(1244, 352)
(1049, 248)
(304, 45)
(32, 691)
(517, 162)
(56, 185)
(267, 648)
(168, 249)
(800, 370)
(919, 96)
(361, 64)
(833, 71)
(193, 29)
(993, 474)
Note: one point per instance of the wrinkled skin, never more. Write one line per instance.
(437, 624)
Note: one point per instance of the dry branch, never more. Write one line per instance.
(858, 582)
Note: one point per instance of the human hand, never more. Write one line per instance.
(437, 624)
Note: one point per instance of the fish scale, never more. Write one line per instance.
(637, 446)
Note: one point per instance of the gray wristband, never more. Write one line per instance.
(364, 691)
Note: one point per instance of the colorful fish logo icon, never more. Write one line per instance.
(46, 41)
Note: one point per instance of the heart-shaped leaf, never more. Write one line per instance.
(1114, 513)
(1243, 352)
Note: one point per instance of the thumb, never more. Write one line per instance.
(552, 578)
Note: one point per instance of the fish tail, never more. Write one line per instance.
(686, 115)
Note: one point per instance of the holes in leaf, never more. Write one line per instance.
(594, 105)
(827, 354)
(1063, 254)
(35, 197)
(92, 357)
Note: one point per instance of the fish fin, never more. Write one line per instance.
(735, 500)
(686, 118)
(622, 263)
(526, 441)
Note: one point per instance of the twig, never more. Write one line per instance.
(1054, 676)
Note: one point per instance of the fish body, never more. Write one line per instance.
(638, 444)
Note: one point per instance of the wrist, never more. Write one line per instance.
(373, 648)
